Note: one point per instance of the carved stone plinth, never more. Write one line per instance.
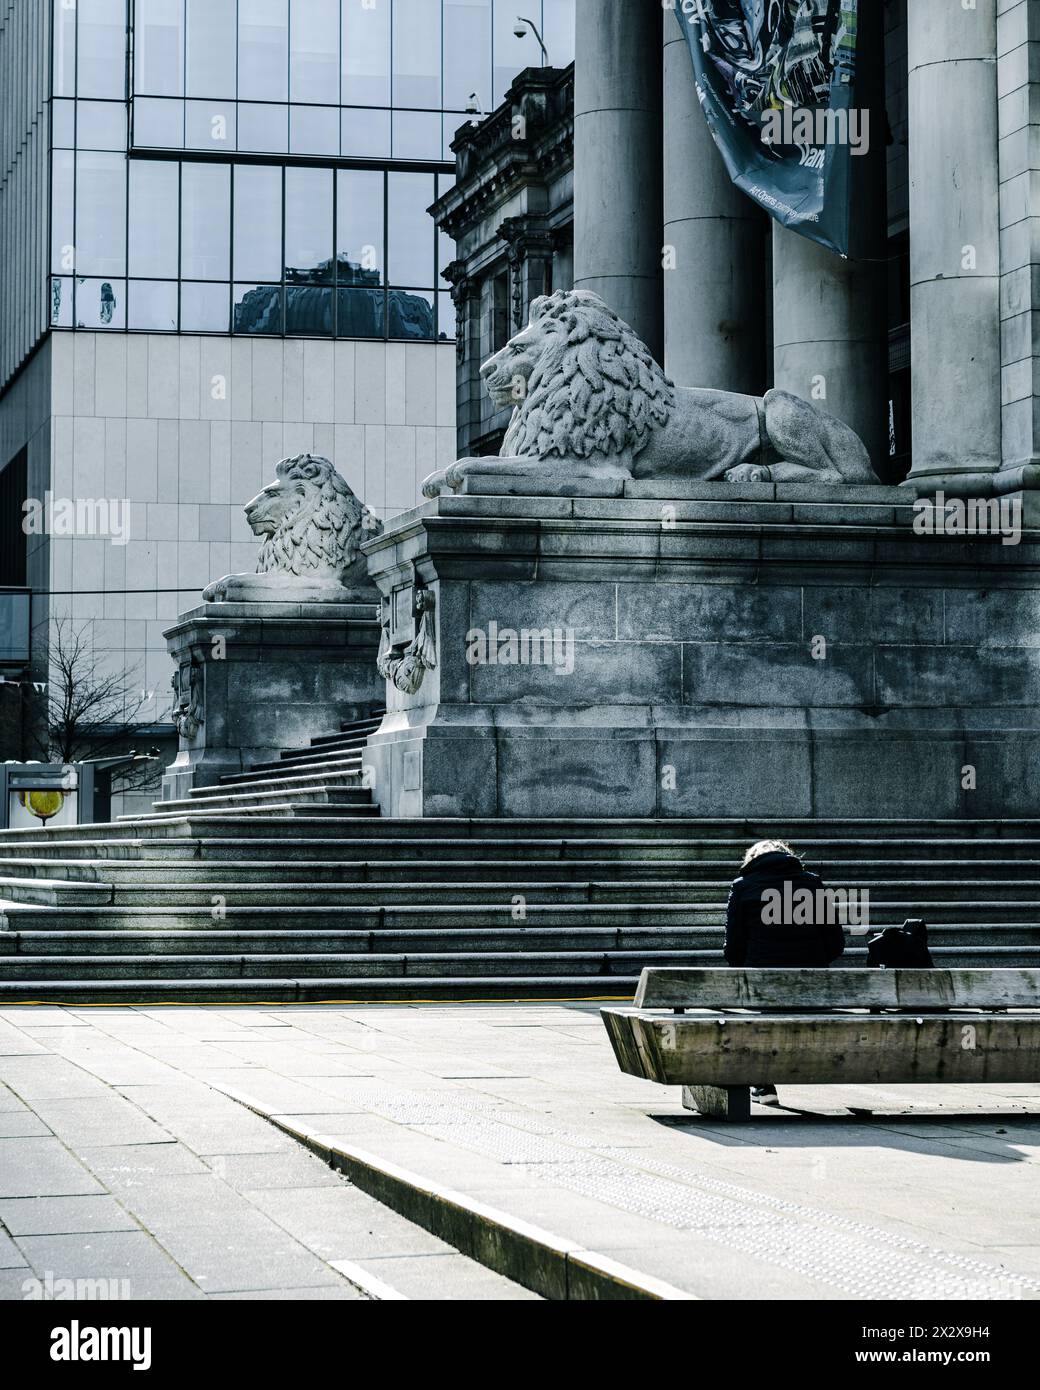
(254, 678)
(762, 650)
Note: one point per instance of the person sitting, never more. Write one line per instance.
(762, 929)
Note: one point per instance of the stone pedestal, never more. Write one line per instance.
(736, 650)
(254, 678)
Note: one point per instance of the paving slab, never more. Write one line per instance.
(56, 1216)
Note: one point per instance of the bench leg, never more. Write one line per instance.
(725, 1102)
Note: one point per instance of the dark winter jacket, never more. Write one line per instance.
(791, 938)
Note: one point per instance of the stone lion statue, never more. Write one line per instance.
(312, 526)
(590, 402)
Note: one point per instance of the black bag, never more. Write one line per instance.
(905, 946)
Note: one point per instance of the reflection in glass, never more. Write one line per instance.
(467, 53)
(63, 124)
(209, 125)
(410, 314)
(100, 213)
(558, 31)
(64, 45)
(153, 218)
(205, 222)
(257, 309)
(100, 303)
(366, 134)
(101, 68)
(314, 52)
(308, 309)
(158, 123)
(204, 308)
(102, 125)
(61, 302)
(359, 226)
(446, 318)
(411, 229)
(314, 129)
(158, 47)
(308, 226)
(417, 134)
(63, 231)
(417, 54)
(210, 42)
(263, 128)
(258, 223)
(361, 313)
(263, 50)
(366, 54)
(153, 305)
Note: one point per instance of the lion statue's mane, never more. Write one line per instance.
(323, 535)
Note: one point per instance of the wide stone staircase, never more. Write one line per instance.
(284, 884)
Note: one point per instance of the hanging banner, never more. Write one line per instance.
(776, 80)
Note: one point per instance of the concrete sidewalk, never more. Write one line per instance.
(501, 1118)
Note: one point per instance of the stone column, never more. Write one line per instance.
(714, 279)
(1018, 73)
(617, 160)
(954, 246)
(829, 314)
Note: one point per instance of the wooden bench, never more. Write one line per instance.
(718, 1031)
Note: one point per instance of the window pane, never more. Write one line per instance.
(360, 313)
(366, 134)
(467, 53)
(101, 213)
(314, 52)
(410, 314)
(61, 303)
(512, 55)
(64, 50)
(308, 309)
(153, 218)
(359, 227)
(209, 125)
(308, 226)
(258, 223)
(314, 129)
(158, 48)
(204, 308)
(263, 50)
(158, 123)
(211, 40)
(63, 231)
(446, 318)
(153, 305)
(100, 303)
(263, 128)
(102, 48)
(257, 309)
(63, 117)
(417, 135)
(366, 53)
(417, 54)
(102, 125)
(411, 229)
(206, 222)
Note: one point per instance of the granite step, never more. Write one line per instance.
(335, 762)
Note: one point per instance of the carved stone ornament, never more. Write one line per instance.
(406, 666)
(188, 700)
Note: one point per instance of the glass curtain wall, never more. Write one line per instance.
(296, 145)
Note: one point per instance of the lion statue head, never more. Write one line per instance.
(312, 526)
(582, 384)
(312, 523)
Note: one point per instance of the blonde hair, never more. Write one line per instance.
(767, 847)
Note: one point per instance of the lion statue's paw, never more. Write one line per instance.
(749, 473)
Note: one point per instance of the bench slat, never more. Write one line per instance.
(737, 988)
(853, 1049)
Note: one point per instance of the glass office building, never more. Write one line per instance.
(215, 252)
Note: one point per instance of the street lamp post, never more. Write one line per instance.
(520, 33)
